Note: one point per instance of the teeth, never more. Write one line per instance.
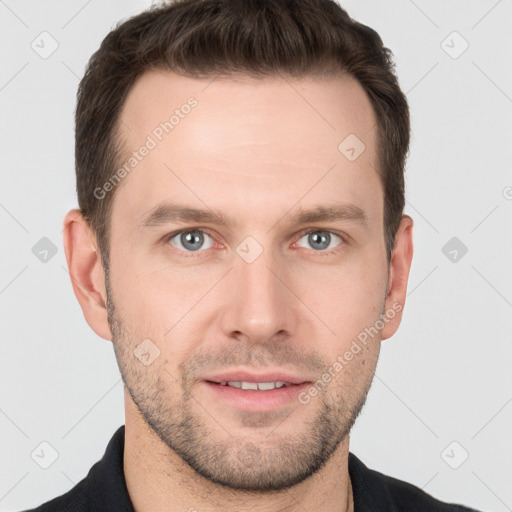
(264, 386)
(255, 386)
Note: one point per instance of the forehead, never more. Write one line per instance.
(331, 107)
(247, 144)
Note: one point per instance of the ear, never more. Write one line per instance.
(399, 267)
(86, 271)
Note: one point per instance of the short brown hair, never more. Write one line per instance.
(206, 38)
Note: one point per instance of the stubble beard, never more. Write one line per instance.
(259, 463)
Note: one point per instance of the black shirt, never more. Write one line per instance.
(104, 489)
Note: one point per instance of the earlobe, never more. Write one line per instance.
(400, 266)
(86, 271)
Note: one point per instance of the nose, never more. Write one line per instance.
(259, 304)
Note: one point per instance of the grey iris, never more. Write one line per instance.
(315, 237)
(188, 240)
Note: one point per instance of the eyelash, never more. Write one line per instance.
(191, 254)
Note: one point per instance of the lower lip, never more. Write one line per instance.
(251, 400)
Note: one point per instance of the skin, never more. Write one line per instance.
(255, 151)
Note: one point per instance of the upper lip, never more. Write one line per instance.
(245, 376)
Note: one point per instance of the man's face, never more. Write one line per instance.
(262, 295)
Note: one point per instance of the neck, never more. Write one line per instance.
(158, 479)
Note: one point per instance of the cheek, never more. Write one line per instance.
(347, 298)
(153, 293)
(164, 305)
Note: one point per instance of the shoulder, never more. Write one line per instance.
(375, 490)
(409, 497)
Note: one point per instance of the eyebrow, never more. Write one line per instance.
(171, 212)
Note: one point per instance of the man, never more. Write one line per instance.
(273, 136)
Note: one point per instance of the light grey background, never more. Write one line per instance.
(444, 377)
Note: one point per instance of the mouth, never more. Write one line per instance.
(257, 393)
(254, 386)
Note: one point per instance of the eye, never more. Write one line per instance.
(193, 240)
(321, 239)
(190, 240)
